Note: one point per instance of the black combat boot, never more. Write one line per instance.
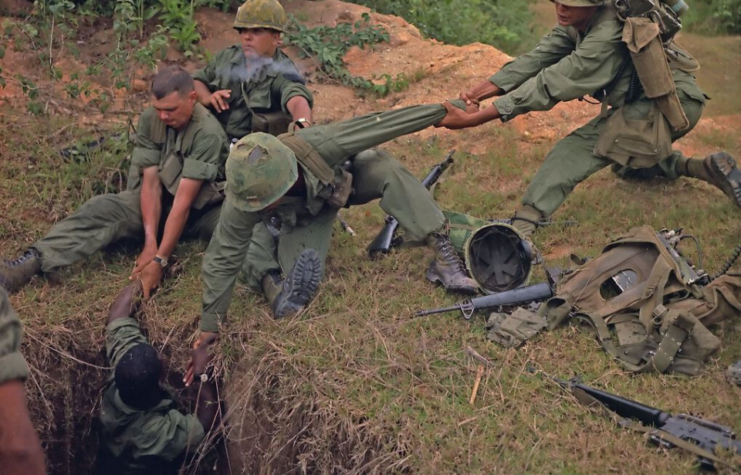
(733, 373)
(718, 169)
(447, 268)
(289, 296)
(18, 272)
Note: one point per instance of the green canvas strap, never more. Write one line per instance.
(309, 157)
(654, 292)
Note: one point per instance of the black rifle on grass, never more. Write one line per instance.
(702, 438)
(387, 238)
(518, 296)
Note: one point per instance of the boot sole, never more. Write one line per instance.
(432, 277)
(724, 165)
(301, 284)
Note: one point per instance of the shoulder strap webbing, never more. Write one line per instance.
(308, 157)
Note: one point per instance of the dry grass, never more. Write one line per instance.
(358, 385)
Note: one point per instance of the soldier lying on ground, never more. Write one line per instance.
(302, 179)
(583, 54)
(253, 87)
(141, 429)
(181, 150)
(20, 450)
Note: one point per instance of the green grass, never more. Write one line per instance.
(358, 385)
(371, 385)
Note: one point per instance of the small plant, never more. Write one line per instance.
(177, 17)
(329, 44)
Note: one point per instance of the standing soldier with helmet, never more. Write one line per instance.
(626, 59)
(255, 87)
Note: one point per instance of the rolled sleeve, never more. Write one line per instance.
(290, 89)
(12, 364)
(204, 160)
(197, 170)
(223, 260)
(147, 152)
(121, 335)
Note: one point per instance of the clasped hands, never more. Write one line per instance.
(457, 118)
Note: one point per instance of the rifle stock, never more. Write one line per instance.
(387, 238)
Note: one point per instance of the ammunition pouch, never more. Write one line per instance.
(637, 143)
(273, 123)
(514, 330)
(634, 298)
(336, 180)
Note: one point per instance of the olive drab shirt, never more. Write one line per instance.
(12, 364)
(198, 152)
(567, 65)
(335, 143)
(142, 438)
(265, 88)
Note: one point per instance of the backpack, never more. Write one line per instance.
(647, 306)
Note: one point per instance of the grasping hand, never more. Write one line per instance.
(217, 100)
(200, 357)
(144, 259)
(468, 98)
(151, 277)
(457, 118)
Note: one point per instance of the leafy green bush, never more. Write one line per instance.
(328, 44)
(502, 23)
(714, 16)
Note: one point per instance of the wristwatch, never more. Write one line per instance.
(160, 260)
(302, 123)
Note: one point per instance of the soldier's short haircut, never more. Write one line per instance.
(137, 377)
(172, 79)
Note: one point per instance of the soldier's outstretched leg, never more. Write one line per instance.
(378, 175)
(102, 220)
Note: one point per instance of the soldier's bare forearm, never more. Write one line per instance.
(203, 92)
(151, 205)
(484, 90)
(187, 192)
(20, 450)
(299, 108)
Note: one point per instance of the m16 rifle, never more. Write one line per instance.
(518, 296)
(387, 238)
(699, 436)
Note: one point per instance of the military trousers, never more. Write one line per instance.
(106, 219)
(572, 159)
(376, 174)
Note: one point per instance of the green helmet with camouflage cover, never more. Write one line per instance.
(259, 171)
(580, 3)
(261, 14)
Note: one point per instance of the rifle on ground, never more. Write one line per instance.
(387, 238)
(518, 296)
(699, 436)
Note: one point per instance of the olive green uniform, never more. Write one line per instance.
(12, 364)
(567, 65)
(266, 87)
(198, 152)
(307, 221)
(141, 440)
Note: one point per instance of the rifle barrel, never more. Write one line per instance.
(424, 313)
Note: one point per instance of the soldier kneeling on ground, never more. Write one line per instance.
(301, 180)
(142, 431)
